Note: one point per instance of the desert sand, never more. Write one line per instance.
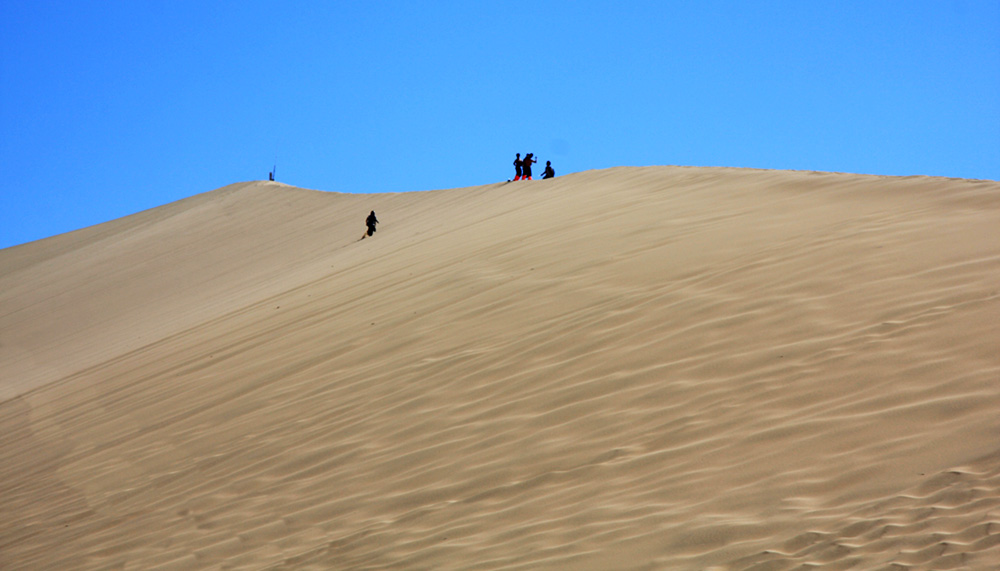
(632, 368)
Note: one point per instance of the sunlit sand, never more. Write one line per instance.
(632, 368)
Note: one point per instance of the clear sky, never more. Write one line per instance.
(109, 108)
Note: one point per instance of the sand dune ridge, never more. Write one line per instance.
(632, 368)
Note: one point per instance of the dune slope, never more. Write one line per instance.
(634, 368)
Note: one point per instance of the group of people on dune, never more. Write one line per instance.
(522, 171)
(522, 167)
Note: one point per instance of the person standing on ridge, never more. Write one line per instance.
(526, 165)
(371, 221)
(517, 167)
(549, 171)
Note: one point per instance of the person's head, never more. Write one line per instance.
(373, 213)
(548, 163)
(519, 155)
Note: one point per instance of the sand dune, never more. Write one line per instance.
(633, 368)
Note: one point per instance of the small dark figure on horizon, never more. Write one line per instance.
(517, 167)
(371, 221)
(549, 171)
(526, 165)
(270, 175)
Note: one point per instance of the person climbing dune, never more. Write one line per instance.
(371, 221)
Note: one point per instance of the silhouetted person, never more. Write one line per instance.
(371, 221)
(526, 165)
(517, 167)
(549, 171)
(270, 175)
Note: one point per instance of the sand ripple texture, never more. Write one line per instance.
(632, 368)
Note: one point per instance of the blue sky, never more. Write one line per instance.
(109, 108)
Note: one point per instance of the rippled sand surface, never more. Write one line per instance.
(632, 368)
